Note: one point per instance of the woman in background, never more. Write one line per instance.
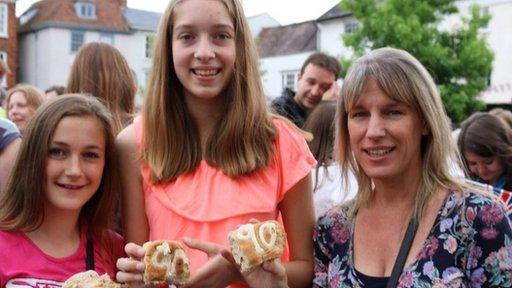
(22, 101)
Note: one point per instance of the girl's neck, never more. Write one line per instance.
(59, 234)
(400, 192)
(205, 113)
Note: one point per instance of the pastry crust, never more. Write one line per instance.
(90, 279)
(166, 263)
(253, 244)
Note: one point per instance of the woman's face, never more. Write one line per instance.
(385, 135)
(19, 111)
(488, 169)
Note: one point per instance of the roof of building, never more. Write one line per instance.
(61, 13)
(142, 20)
(289, 39)
(333, 13)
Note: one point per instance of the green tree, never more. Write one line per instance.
(458, 58)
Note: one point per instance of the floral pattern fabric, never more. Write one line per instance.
(469, 245)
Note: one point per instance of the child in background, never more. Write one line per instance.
(56, 212)
(206, 156)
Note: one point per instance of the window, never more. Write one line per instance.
(77, 39)
(85, 10)
(351, 27)
(290, 79)
(107, 38)
(150, 45)
(4, 14)
(28, 15)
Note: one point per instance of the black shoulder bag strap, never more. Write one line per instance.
(89, 250)
(402, 253)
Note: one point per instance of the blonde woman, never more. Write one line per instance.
(22, 101)
(411, 224)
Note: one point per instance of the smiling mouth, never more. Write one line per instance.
(378, 152)
(206, 72)
(69, 186)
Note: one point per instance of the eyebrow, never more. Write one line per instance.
(60, 143)
(215, 26)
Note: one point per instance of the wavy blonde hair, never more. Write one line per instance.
(404, 79)
(243, 138)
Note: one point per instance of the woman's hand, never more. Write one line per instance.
(132, 268)
(217, 272)
(271, 274)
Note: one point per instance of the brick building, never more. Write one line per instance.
(8, 39)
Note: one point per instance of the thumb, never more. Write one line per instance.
(211, 249)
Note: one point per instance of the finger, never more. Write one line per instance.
(210, 248)
(228, 256)
(274, 266)
(253, 220)
(130, 265)
(123, 277)
(134, 251)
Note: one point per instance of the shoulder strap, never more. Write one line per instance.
(402, 253)
(89, 249)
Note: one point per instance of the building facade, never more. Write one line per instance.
(8, 39)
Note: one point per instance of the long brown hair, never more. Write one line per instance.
(320, 123)
(23, 201)
(243, 138)
(101, 70)
(404, 79)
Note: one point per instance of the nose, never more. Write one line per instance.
(316, 90)
(73, 167)
(204, 51)
(481, 169)
(376, 127)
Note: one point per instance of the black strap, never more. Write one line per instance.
(89, 250)
(402, 253)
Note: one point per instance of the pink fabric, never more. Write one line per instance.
(23, 264)
(206, 204)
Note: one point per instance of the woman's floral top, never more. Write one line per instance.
(468, 246)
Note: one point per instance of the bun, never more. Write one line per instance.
(166, 262)
(253, 244)
(90, 279)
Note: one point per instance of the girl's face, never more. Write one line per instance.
(19, 111)
(75, 162)
(203, 48)
(488, 169)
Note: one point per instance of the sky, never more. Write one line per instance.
(284, 11)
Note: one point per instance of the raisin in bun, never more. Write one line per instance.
(90, 279)
(166, 263)
(253, 244)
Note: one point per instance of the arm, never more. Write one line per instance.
(7, 160)
(298, 218)
(135, 223)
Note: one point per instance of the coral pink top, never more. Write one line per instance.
(206, 204)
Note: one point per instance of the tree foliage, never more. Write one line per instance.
(458, 57)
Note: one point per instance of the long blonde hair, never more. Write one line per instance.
(243, 139)
(403, 79)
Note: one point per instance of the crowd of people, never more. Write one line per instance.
(360, 176)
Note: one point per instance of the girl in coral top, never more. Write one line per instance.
(206, 156)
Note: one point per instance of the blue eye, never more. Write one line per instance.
(223, 36)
